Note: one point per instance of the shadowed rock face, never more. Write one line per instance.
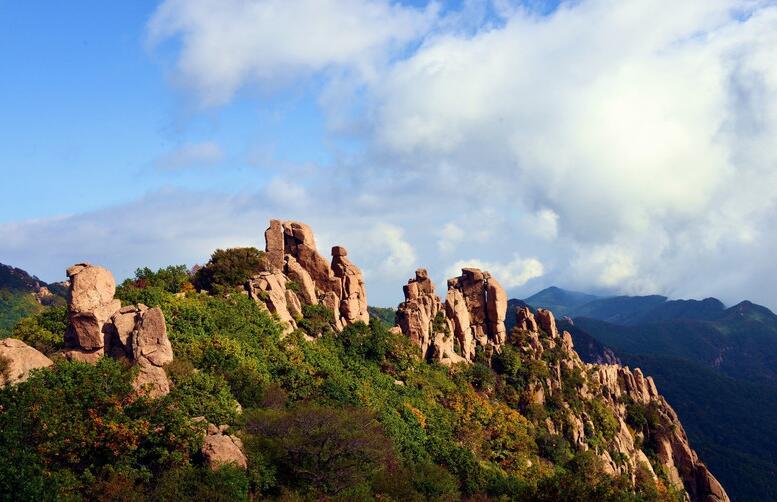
(98, 326)
(292, 258)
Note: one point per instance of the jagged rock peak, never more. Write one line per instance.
(472, 316)
(421, 317)
(477, 305)
(99, 325)
(296, 274)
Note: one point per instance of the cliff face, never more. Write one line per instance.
(609, 408)
(295, 274)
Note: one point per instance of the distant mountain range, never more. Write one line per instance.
(717, 366)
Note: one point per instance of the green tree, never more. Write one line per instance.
(229, 269)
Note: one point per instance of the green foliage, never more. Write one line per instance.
(5, 365)
(327, 450)
(44, 331)
(385, 315)
(203, 394)
(15, 305)
(317, 320)
(68, 425)
(229, 269)
(187, 483)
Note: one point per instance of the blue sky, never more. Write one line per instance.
(88, 112)
(594, 144)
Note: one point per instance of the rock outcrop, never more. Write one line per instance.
(99, 325)
(17, 359)
(220, 449)
(608, 396)
(296, 274)
(421, 317)
(624, 393)
(472, 316)
(90, 306)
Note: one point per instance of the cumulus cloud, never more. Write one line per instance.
(396, 257)
(512, 274)
(191, 155)
(226, 44)
(626, 146)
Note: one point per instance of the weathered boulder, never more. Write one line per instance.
(477, 305)
(524, 320)
(547, 322)
(274, 242)
(300, 243)
(220, 449)
(17, 359)
(269, 288)
(151, 350)
(307, 288)
(90, 305)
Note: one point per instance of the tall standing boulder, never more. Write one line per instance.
(270, 288)
(477, 305)
(90, 306)
(353, 302)
(151, 350)
(421, 317)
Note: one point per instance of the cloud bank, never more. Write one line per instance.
(609, 146)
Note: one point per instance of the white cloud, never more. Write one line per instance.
(225, 44)
(450, 235)
(191, 155)
(396, 258)
(512, 274)
(625, 145)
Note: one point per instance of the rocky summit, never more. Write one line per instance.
(311, 398)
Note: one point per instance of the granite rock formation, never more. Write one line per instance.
(421, 317)
(472, 316)
(18, 360)
(296, 274)
(621, 390)
(220, 449)
(99, 325)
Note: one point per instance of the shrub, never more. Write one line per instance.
(227, 484)
(202, 394)
(229, 269)
(326, 449)
(44, 331)
(317, 320)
